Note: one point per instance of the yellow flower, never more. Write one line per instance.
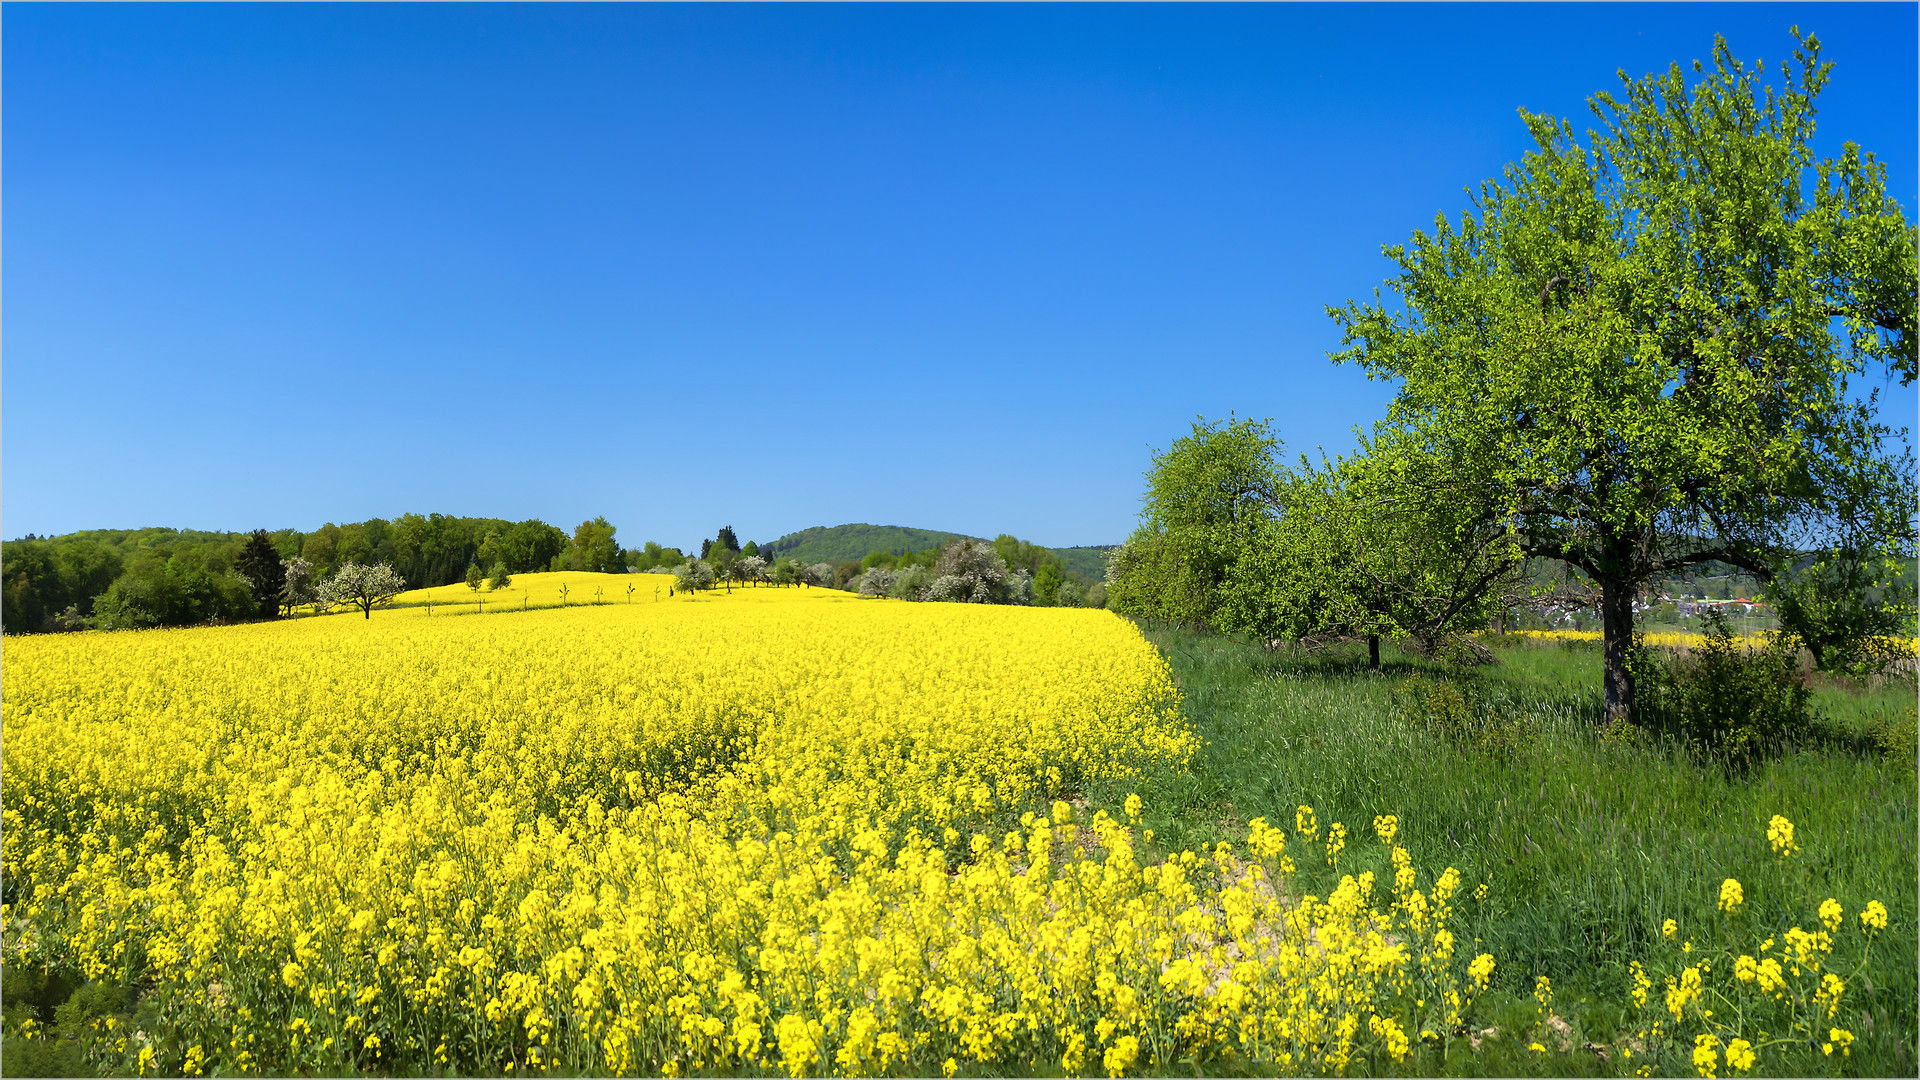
(1641, 984)
(1841, 1038)
(1740, 1055)
(1831, 987)
(1730, 896)
(1780, 835)
(1706, 1054)
(949, 1067)
(1386, 827)
(1133, 808)
(1305, 824)
(1831, 914)
(1670, 929)
(1874, 917)
(1481, 970)
(1336, 842)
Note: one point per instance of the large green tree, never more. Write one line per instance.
(1353, 550)
(595, 549)
(1641, 353)
(1208, 495)
(260, 565)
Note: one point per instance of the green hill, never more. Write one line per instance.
(1089, 560)
(849, 543)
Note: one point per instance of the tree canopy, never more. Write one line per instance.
(1640, 353)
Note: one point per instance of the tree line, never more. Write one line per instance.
(169, 577)
(114, 579)
(1634, 356)
(1005, 571)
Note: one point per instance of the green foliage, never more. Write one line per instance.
(1726, 700)
(260, 565)
(1355, 551)
(171, 594)
(1899, 737)
(845, 543)
(594, 549)
(1458, 711)
(474, 576)
(500, 578)
(653, 555)
(531, 545)
(1088, 562)
(49, 1018)
(1585, 848)
(1636, 353)
(694, 574)
(1147, 577)
(1850, 606)
(1208, 496)
(40, 579)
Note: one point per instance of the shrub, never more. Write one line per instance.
(1724, 698)
(970, 572)
(694, 574)
(876, 582)
(165, 595)
(1899, 737)
(1457, 711)
(911, 584)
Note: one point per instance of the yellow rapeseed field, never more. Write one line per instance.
(781, 830)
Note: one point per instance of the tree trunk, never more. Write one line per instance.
(1373, 651)
(1616, 615)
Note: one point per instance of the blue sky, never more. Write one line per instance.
(956, 267)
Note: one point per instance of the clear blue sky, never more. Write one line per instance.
(950, 267)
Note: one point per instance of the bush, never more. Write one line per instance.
(164, 595)
(876, 582)
(911, 583)
(1724, 698)
(694, 574)
(1899, 738)
(1459, 713)
(969, 572)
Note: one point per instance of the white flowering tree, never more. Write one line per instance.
(749, 568)
(365, 587)
(971, 572)
(298, 587)
(877, 581)
(694, 574)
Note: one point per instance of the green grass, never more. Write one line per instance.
(1586, 845)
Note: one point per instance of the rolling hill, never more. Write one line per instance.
(846, 543)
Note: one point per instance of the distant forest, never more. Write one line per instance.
(856, 542)
(173, 577)
(185, 576)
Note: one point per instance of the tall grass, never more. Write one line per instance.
(1586, 843)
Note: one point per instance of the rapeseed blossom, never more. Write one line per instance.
(778, 832)
(1748, 999)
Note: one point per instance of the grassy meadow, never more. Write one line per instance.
(1588, 845)
(798, 832)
